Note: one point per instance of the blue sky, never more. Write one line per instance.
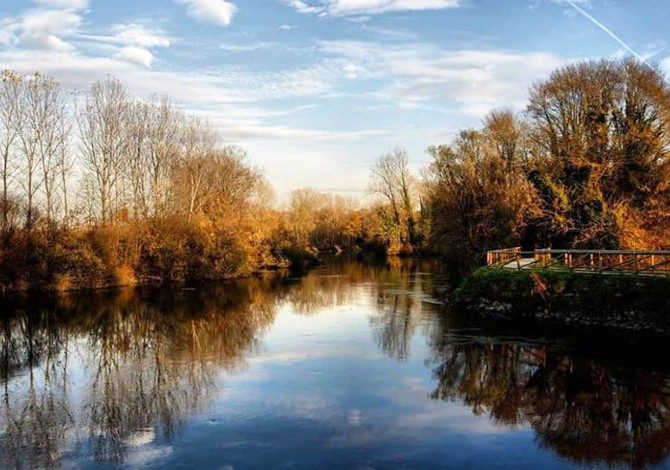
(316, 90)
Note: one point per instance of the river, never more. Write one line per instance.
(349, 366)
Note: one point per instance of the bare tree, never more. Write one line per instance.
(104, 142)
(193, 169)
(138, 139)
(11, 86)
(392, 179)
(212, 179)
(64, 162)
(34, 124)
(48, 123)
(165, 125)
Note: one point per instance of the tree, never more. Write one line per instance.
(105, 143)
(391, 178)
(193, 169)
(603, 131)
(477, 193)
(11, 89)
(48, 124)
(164, 129)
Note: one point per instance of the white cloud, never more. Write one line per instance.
(665, 66)
(219, 12)
(73, 5)
(141, 36)
(133, 42)
(302, 7)
(351, 71)
(8, 28)
(77, 71)
(136, 55)
(248, 47)
(358, 7)
(47, 29)
(418, 73)
(228, 99)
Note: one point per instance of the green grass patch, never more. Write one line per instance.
(558, 290)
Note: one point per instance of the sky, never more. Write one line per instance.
(317, 90)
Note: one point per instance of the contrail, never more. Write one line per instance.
(606, 29)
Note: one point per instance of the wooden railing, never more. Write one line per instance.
(499, 257)
(656, 263)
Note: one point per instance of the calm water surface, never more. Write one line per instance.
(351, 366)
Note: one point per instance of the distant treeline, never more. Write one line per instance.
(104, 189)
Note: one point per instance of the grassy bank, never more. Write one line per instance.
(618, 300)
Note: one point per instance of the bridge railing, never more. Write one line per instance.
(596, 261)
(496, 257)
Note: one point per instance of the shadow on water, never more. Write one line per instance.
(97, 374)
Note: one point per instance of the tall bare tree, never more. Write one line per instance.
(193, 171)
(35, 137)
(104, 142)
(48, 118)
(11, 86)
(137, 129)
(165, 126)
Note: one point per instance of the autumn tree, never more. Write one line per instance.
(391, 179)
(478, 196)
(602, 130)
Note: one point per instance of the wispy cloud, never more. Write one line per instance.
(73, 5)
(140, 35)
(360, 7)
(417, 73)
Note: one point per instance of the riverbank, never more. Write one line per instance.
(92, 261)
(615, 301)
(108, 257)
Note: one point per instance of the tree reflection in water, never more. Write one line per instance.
(586, 409)
(401, 297)
(151, 360)
(107, 372)
(35, 427)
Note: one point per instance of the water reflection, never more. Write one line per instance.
(586, 409)
(149, 360)
(93, 377)
(407, 291)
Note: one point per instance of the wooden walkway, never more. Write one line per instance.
(646, 263)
